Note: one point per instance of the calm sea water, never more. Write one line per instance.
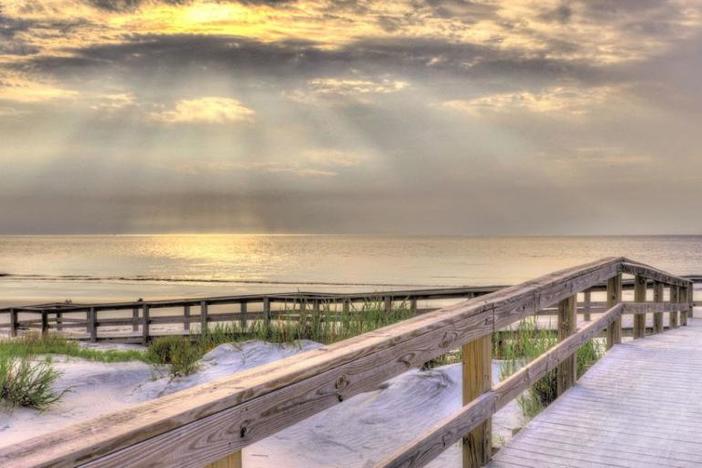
(52, 268)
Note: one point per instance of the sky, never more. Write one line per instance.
(336, 116)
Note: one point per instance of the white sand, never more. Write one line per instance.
(353, 433)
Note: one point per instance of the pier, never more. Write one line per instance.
(646, 380)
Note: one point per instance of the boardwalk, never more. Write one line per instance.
(641, 405)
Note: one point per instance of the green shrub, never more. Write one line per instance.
(177, 352)
(27, 383)
(184, 358)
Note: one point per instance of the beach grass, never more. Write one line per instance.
(27, 383)
(35, 344)
(328, 325)
(529, 342)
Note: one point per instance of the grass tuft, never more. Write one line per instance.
(35, 344)
(529, 342)
(27, 383)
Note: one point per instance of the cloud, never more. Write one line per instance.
(345, 89)
(334, 158)
(317, 162)
(559, 99)
(271, 167)
(114, 101)
(354, 87)
(205, 110)
(21, 88)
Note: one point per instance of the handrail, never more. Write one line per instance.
(451, 429)
(205, 423)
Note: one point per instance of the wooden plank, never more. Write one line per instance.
(658, 298)
(621, 413)
(242, 312)
(567, 324)
(614, 296)
(635, 268)
(135, 319)
(477, 379)
(684, 302)
(674, 299)
(587, 305)
(448, 431)
(92, 324)
(44, 322)
(203, 317)
(639, 296)
(186, 317)
(145, 320)
(14, 322)
(59, 321)
(230, 461)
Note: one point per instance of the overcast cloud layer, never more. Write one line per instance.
(413, 117)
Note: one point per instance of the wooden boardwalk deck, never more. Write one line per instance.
(640, 405)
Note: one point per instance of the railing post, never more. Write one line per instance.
(587, 304)
(413, 306)
(683, 300)
(267, 312)
(614, 297)
(691, 299)
(230, 461)
(674, 299)
(186, 318)
(567, 324)
(59, 321)
(388, 305)
(658, 316)
(477, 379)
(347, 306)
(92, 317)
(44, 322)
(145, 323)
(14, 323)
(203, 317)
(639, 296)
(135, 319)
(242, 319)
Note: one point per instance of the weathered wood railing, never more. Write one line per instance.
(213, 422)
(195, 314)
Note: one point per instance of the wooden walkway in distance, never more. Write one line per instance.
(639, 406)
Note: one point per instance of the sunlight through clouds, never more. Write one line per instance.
(205, 110)
(568, 100)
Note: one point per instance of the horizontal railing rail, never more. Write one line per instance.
(213, 421)
(60, 317)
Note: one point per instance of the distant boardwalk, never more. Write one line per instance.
(640, 405)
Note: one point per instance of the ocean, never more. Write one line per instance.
(35, 269)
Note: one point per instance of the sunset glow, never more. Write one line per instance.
(334, 116)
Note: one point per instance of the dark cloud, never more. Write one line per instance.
(561, 14)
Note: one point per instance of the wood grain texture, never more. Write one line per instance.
(674, 299)
(567, 322)
(658, 298)
(477, 379)
(230, 461)
(443, 434)
(620, 413)
(614, 296)
(639, 296)
(205, 423)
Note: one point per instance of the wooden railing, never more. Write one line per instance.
(213, 422)
(85, 321)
